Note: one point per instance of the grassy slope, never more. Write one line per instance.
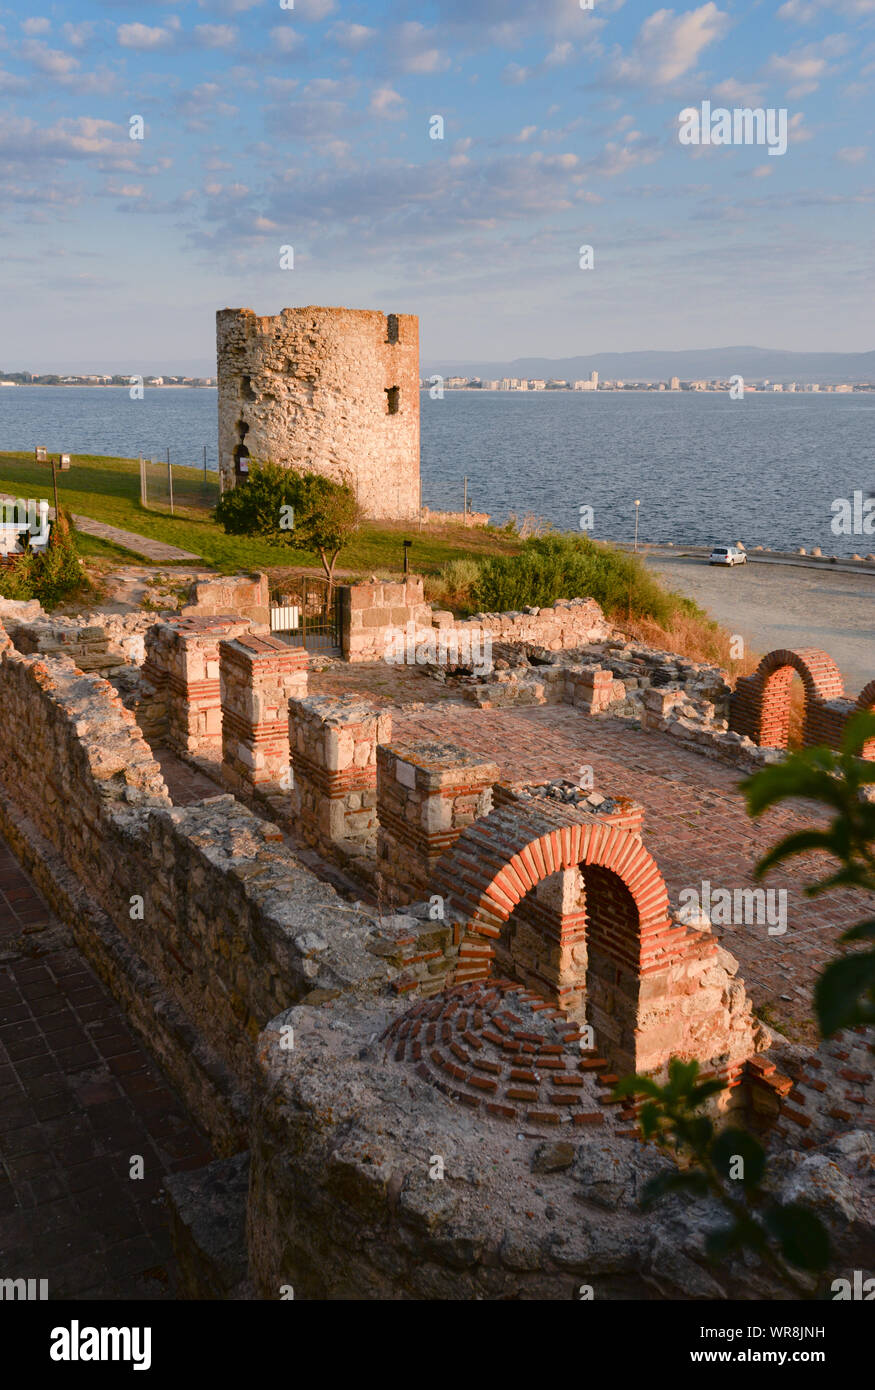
(108, 489)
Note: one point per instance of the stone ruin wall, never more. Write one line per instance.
(237, 941)
(333, 391)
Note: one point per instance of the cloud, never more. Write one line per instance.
(414, 49)
(803, 68)
(52, 61)
(285, 40)
(387, 103)
(807, 11)
(144, 37)
(314, 10)
(36, 25)
(668, 45)
(215, 35)
(853, 154)
(21, 139)
(353, 37)
(735, 93)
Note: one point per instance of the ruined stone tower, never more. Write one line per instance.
(334, 391)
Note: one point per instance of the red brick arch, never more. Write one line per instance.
(630, 934)
(760, 705)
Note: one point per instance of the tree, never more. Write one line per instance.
(304, 511)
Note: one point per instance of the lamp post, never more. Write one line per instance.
(407, 545)
(637, 505)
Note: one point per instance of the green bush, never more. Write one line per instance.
(48, 575)
(570, 566)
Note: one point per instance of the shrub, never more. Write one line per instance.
(50, 574)
(570, 566)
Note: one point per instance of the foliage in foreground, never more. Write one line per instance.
(730, 1165)
(844, 994)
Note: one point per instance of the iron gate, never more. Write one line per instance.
(305, 614)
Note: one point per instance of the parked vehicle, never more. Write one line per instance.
(727, 555)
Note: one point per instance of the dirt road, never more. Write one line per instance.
(785, 606)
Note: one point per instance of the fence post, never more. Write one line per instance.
(170, 480)
(205, 463)
(142, 481)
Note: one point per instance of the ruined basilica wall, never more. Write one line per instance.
(334, 391)
(198, 918)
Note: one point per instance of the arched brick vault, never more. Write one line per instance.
(504, 855)
(760, 706)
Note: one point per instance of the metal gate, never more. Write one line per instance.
(303, 613)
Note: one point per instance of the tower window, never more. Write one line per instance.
(393, 394)
(391, 328)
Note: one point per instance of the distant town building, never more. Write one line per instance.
(675, 383)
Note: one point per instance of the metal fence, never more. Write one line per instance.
(177, 489)
(305, 614)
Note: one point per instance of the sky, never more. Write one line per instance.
(309, 124)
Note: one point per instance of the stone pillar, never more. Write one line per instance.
(591, 688)
(427, 794)
(182, 665)
(334, 743)
(257, 677)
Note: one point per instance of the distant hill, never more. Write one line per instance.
(688, 364)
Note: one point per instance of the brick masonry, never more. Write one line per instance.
(257, 677)
(181, 701)
(760, 705)
(334, 744)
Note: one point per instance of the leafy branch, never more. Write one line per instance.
(730, 1166)
(844, 995)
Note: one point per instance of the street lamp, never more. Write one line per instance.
(637, 505)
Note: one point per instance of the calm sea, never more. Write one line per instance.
(764, 470)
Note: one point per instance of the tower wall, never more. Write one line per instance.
(333, 391)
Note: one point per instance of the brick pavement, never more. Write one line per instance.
(695, 825)
(78, 1097)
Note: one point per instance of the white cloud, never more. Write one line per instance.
(668, 45)
(144, 37)
(351, 36)
(215, 35)
(52, 61)
(285, 39)
(853, 154)
(387, 103)
(36, 25)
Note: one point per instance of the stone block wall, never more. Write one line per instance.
(371, 612)
(329, 390)
(87, 647)
(246, 596)
(198, 918)
(427, 795)
(257, 677)
(181, 700)
(334, 743)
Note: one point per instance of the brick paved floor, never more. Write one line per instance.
(695, 825)
(78, 1097)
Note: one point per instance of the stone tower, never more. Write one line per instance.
(333, 391)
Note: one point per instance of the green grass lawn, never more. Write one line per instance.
(108, 489)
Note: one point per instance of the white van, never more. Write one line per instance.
(727, 555)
